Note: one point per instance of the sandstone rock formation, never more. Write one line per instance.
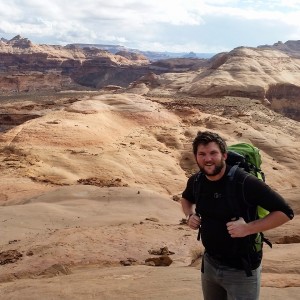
(265, 72)
(243, 72)
(25, 67)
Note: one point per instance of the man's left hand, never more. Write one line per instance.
(238, 228)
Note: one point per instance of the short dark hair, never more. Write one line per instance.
(206, 137)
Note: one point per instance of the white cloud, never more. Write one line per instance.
(161, 24)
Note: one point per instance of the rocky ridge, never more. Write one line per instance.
(270, 74)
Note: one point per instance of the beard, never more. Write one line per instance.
(217, 169)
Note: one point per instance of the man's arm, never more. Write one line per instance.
(240, 228)
(187, 207)
(258, 193)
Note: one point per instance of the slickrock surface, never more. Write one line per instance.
(89, 187)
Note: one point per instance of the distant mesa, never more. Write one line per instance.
(190, 55)
(132, 56)
(20, 42)
(292, 48)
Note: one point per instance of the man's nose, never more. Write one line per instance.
(207, 157)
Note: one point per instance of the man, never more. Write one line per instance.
(231, 265)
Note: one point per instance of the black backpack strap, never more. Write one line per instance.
(197, 185)
(236, 176)
(231, 189)
(196, 193)
(264, 239)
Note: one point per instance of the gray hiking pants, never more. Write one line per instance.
(220, 282)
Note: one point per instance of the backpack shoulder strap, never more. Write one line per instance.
(197, 185)
(196, 193)
(235, 176)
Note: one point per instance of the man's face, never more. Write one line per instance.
(210, 159)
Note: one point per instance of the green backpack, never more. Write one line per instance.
(247, 157)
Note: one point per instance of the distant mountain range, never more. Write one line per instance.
(290, 47)
(151, 55)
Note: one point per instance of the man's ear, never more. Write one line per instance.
(225, 155)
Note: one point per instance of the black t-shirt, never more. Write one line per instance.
(216, 210)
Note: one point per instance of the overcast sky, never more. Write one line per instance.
(207, 26)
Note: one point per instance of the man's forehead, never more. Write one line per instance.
(210, 145)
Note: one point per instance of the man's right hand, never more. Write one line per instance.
(194, 221)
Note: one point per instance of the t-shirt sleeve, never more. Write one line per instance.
(257, 192)
(188, 193)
